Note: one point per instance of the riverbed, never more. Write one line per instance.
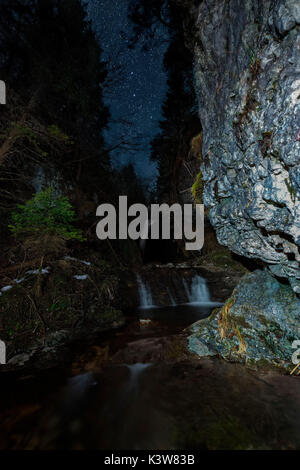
(140, 388)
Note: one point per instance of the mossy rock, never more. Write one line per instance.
(257, 325)
(222, 258)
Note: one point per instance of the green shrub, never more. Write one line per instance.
(45, 214)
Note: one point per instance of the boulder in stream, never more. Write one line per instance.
(257, 325)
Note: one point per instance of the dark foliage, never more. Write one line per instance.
(48, 51)
(55, 116)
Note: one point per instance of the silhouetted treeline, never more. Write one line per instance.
(51, 130)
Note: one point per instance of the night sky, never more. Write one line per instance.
(139, 94)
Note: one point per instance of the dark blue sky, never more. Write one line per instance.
(140, 92)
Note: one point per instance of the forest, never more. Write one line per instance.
(133, 343)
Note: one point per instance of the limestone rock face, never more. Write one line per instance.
(247, 74)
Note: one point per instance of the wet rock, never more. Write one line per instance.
(169, 285)
(256, 326)
(166, 349)
(145, 322)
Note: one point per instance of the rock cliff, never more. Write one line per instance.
(247, 79)
(247, 59)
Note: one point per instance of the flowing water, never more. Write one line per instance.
(150, 393)
(195, 305)
(144, 293)
(199, 293)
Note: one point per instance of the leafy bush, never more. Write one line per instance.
(45, 214)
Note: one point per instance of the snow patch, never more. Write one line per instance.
(6, 288)
(38, 271)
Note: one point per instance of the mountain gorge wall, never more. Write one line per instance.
(247, 80)
(247, 76)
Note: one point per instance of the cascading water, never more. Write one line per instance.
(146, 300)
(199, 290)
(198, 293)
(136, 371)
(195, 292)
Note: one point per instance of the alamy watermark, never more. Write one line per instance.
(157, 222)
(2, 353)
(2, 92)
(2, 344)
(296, 357)
(296, 354)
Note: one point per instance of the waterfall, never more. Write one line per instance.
(193, 291)
(144, 293)
(136, 371)
(76, 391)
(199, 290)
(198, 293)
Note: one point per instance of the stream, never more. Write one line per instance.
(139, 388)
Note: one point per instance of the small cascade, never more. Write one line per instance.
(145, 294)
(136, 371)
(198, 292)
(173, 289)
(77, 389)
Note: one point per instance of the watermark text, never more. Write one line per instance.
(2, 92)
(2, 352)
(159, 221)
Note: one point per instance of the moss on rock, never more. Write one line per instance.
(197, 189)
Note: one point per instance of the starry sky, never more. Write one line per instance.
(140, 87)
